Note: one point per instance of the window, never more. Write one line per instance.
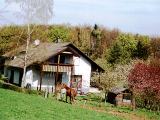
(127, 97)
(62, 59)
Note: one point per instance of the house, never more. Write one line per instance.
(49, 64)
(120, 96)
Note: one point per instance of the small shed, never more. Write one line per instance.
(120, 96)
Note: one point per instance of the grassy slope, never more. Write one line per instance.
(18, 106)
(124, 112)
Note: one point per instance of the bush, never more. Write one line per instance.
(10, 86)
(3, 78)
(19, 89)
(1, 84)
(145, 80)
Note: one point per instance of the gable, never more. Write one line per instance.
(95, 66)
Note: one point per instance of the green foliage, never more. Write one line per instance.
(40, 32)
(80, 36)
(123, 49)
(96, 37)
(96, 42)
(59, 33)
(113, 76)
(114, 54)
(142, 52)
(3, 78)
(143, 47)
(127, 47)
(96, 33)
(11, 37)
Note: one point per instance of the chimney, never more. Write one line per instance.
(36, 42)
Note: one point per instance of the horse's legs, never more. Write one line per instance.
(73, 98)
(66, 98)
(70, 99)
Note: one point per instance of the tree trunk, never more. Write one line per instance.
(105, 97)
(25, 57)
(133, 101)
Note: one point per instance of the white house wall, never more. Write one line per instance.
(33, 78)
(48, 79)
(36, 78)
(83, 67)
(29, 77)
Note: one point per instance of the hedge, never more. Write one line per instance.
(19, 89)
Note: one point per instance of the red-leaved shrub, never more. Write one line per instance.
(145, 81)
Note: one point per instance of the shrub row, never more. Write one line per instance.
(147, 103)
(19, 89)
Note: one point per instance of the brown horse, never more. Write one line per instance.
(72, 93)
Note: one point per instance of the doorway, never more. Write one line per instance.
(76, 82)
(59, 78)
(12, 77)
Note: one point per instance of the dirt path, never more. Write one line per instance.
(128, 116)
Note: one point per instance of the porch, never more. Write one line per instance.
(51, 75)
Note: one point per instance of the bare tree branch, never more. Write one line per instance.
(33, 12)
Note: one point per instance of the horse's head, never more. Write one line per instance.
(63, 86)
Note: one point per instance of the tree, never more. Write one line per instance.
(117, 76)
(115, 53)
(143, 47)
(59, 33)
(144, 79)
(107, 38)
(141, 51)
(11, 37)
(155, 47)
(95, 40)
(33, 12)
(122, 50)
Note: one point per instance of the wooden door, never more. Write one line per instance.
(59, 80)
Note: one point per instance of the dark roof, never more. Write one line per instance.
(117, 90)
(42, 52)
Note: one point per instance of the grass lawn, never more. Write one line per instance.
(94, 102)
(19, 106)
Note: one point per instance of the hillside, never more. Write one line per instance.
(18, 106)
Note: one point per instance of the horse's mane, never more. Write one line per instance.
(65, 86)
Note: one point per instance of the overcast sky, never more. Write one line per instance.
(136, 16)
